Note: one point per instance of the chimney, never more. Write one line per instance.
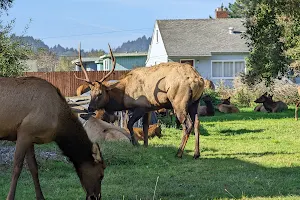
(221, 13)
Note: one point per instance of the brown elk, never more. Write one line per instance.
(208, 84)
(99, 130)
(226, 107)
(208, 109)
(82, 89)
(167, 85)
(261, 108)
(44, 116)
(154, 130)
(270, 105)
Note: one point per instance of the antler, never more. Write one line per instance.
(83, 69)
(113, 68)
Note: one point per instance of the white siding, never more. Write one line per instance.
(157, 52)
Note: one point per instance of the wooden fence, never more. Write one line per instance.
(66, 81)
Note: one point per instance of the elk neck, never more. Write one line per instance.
(115, 93)
(269, 104)
(209, 108)
(73, 140)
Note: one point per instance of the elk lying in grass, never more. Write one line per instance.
(105, 116)
(99, 130)
(261, 108)
(270, 105)
(82, 89)
(226, 107)
(44, 116)
(154, 130)
(167, 85)
(208, 109)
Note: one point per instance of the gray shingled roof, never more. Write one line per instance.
(199, 37)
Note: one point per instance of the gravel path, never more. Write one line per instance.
(7, 154)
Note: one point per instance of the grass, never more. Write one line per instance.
(243, 156)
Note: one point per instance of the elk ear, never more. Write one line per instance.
(266, 93)
(228, 98)
(96, 153)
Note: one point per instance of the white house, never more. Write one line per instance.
(213, 46)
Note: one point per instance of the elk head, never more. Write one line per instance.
(264, 98)
(99, 96)
(225, 101)
(91, 174)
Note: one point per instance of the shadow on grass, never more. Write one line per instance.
(240, 131)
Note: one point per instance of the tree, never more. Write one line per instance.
(5, 4)
(47, 61)
(238, 8)
(65, 64)
(12, 51)
(272, 33)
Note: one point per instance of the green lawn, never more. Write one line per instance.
(243, 156)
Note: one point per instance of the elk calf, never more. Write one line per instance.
(270, 105)
(45, 116)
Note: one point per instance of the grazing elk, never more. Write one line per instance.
(208, 109)
(167, 85)
(270, 105)
(44, 116)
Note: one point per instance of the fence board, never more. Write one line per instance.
(67, 83)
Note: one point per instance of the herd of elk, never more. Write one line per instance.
(142, 90)
(270, 105)
(45, 116)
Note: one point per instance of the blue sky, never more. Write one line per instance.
(95, 23)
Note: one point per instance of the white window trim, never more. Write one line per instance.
(188, 59)
(106, 65)
(222, 61)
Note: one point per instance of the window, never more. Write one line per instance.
(188, 61)
(156, 36)
(106, 64)
(227, 69)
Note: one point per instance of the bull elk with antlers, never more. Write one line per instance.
(167, 85)
(44, 116)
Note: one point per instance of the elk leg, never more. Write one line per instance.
(21, 149)
(32, 165)
(186, 122)
(137, 114)
(193, 112)
(146, 122)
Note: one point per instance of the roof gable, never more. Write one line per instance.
(201, 37)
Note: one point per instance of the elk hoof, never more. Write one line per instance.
(196, 156)
(179, 153)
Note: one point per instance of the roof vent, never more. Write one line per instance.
(231, 30)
